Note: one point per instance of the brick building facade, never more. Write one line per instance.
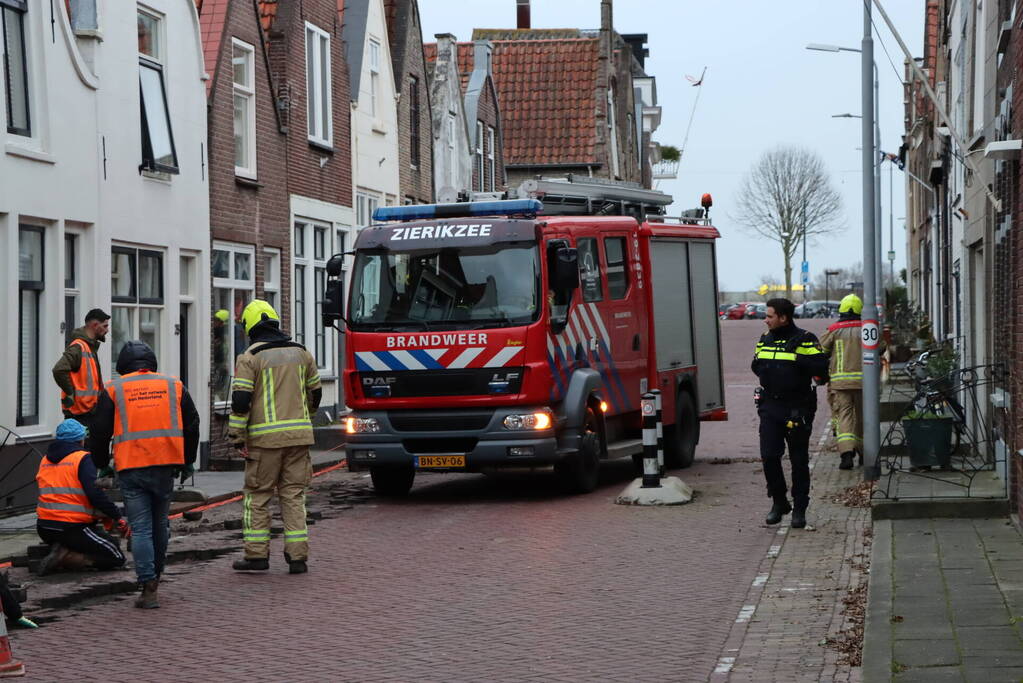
(415, 148)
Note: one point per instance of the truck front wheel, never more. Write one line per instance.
(393, 482)
(579, 472)
(680, 438)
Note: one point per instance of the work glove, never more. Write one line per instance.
(123, 528)
(184, 472)
(67, 401)
(237, 439)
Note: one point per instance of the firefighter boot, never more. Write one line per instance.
(259, 564)
(53, 559)
(847, 461)
(296, 566)
(148, 599)
(799, 513)
(780, 508)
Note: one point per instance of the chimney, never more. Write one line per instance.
(445, 45)
(481, 55)
(522, 13)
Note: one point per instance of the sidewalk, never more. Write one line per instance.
(945, 599)
(18, 533)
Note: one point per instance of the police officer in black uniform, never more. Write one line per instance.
(786, 361)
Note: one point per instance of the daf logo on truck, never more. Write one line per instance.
(525, 340)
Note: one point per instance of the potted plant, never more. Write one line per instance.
(928, 439)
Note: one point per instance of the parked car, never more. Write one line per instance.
(737, 312)
(723, 310)
(817, 309)
(756, 311)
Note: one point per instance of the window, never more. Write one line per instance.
(30, 291)
(312, 249)
(272, 277)
(414, 122)
(617, 270)
(243, 61)
(452, 152)
(72, 289)
(479, 157)
(612, 131)
(12, 22)
(365, 205)
(491, 161)
(589, 269)
(233, 289)
(374, 76)
(158, 152)
(317, 74)
(136, 288)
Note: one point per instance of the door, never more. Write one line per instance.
(184, 341)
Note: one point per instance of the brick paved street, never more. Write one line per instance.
(475, 578)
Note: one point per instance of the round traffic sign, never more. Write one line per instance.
(870, 334)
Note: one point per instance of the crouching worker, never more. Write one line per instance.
(69, 501)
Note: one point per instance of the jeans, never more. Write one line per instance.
(147, 496)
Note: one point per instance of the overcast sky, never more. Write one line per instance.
(762, 89)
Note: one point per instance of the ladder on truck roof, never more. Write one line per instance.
(585, 196)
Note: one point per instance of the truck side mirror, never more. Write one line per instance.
(335, 265)
(566, 270)
(333, 300)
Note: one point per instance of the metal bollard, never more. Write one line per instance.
(660, 431)
(651, 471)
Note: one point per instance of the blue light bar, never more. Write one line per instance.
(411, 212)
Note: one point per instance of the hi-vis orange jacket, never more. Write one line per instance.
(61, 495)
(86, 381)
(148, 426)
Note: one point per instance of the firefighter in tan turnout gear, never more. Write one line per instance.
(845, 392)
(276, 390)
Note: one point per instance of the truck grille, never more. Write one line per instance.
(439, 445)
(439, 421)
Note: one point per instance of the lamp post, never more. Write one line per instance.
(827, 286)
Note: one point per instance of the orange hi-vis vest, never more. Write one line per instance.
(148, 426)
(61, 496)
(85, 381)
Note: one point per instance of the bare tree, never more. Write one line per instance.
(787, 196)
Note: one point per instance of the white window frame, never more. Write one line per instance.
(478, 161)
(248, 92)
(134, 303)
(232, 284)
(24, 79)
(313, 268)
(374, 76)
(155, 63)
(365, 205)
(25, 375)
(319, 107)
(272, 276)
(72, 281)
(491, 158)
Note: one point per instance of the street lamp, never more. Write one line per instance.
(827, 286)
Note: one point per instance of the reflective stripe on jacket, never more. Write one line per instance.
(842, 341)
(85, 380)
(786, 360)
(147, 420)
(281, 381)
(61, 496)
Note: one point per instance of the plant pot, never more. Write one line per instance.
(929, 441)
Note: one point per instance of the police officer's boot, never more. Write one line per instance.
(847, 461)
(799, 512)
(780, 508)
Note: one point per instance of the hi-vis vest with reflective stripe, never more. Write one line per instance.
(148, 426)
(61, 496)
(842, 341)
(85, 381)
(280, 380)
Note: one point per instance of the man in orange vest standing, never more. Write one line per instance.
(77, 370)
(68, 503)
(155, 431)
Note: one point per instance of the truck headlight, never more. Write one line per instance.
(361, 425)
(542, 419)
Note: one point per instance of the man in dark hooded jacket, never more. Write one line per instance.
(155, 430)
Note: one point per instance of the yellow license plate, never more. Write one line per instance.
(440, 461)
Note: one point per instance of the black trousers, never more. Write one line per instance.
(775, 434)
(103, 548)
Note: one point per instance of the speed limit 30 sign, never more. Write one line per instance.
(870, 334)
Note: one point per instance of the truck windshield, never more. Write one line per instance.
(463, 287)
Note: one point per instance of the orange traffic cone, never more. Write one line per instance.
(9, 666)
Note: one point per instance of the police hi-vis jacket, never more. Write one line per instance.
(786, 360)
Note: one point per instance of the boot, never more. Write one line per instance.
(847, 461)
(780, 508)
(53, 559)
(148, 599)
(296, 566)
(260, 564)
(799, 512)
(76, 562)
(860, 455)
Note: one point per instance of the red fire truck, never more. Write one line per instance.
(484, 335)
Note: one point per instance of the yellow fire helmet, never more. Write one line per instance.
(256, 312)
(222, 315)
(851, 303)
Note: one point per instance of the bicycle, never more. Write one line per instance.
(936, 395)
